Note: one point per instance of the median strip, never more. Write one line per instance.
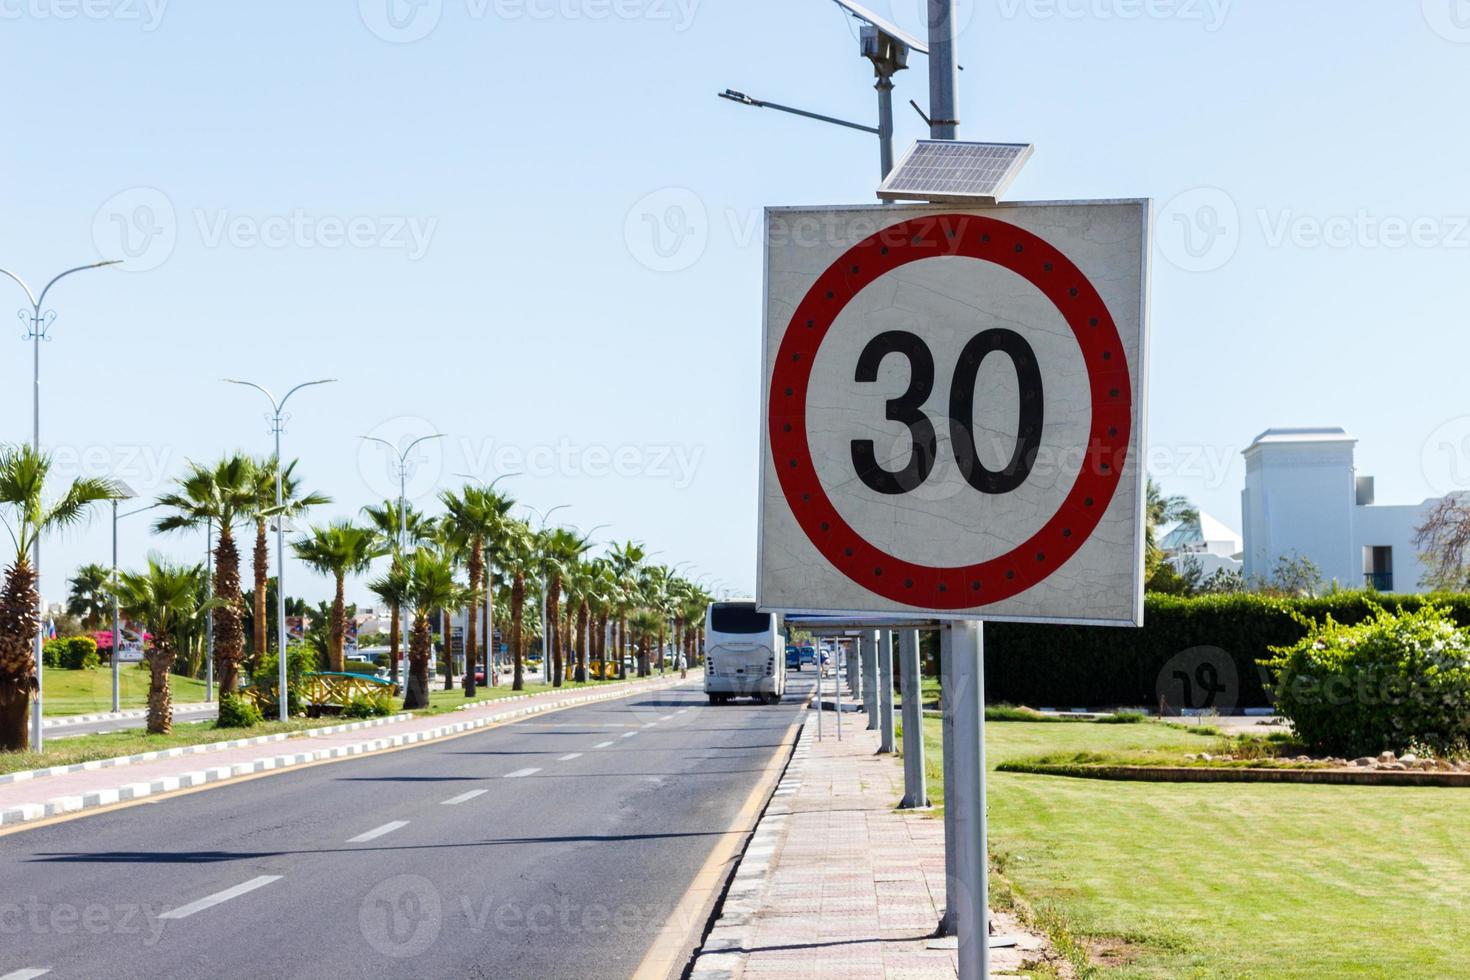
(210, 901)
(80, 788)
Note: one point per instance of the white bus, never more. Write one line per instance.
(744, 653)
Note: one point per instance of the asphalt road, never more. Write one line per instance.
(202, 713)
(557, 846)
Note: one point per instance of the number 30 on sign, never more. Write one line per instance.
(953, 411)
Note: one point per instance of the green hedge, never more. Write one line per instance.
(1206, 640)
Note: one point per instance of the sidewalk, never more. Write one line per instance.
(836, 883)
(43, 793)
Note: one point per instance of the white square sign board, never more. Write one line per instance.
(953, 411)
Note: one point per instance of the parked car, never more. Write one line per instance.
(793, 658)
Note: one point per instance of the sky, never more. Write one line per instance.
(531, 226)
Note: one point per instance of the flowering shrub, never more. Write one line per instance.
(1392, 681)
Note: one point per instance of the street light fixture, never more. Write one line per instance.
(887, 47)
(39, 319)
(277, 420)
(402, 455)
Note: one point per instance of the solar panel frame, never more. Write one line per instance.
(953, 172)
(887, 27)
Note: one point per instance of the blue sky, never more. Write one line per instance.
(460, 226)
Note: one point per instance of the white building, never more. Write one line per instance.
(1206, 542)
(1303, 497)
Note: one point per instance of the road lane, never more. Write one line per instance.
(567, 870)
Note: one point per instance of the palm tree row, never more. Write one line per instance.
(476, 557)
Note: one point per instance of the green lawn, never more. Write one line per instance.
(1229, 880)
(86, 692)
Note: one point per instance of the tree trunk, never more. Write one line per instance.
(337, 645)
(471, 629)
(584, 641)
(395, 648)
(229, 634)
(620, 648)
(517, 654)
(419, 642)
(446, 632)
(19, 624)
(553, 643)
(160, 701)
(262, 578)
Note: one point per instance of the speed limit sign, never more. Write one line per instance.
(953, 411)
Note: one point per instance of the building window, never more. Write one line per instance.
(1378, 568)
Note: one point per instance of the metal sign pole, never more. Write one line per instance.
(947, 702)
(970, 901)
(885, 693)
(915, 788)
(819, 696)
(869, 641)
(836, 681)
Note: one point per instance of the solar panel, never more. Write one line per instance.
(887, 27)
(953, 172)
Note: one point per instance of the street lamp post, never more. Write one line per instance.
(124, 492)
(277, 419)
(488, 616)
(402, 463)
(545, 636)
(38, 320)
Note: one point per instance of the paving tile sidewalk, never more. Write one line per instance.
(837, 883)
(97, 784)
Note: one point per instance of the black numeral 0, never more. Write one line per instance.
(962, 411)
(908, 409)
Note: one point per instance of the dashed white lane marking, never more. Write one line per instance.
(628, 734)
(667, 718)
(377, 832)
(210, 901)
(521, 772)
(30, 974)
(570, 756)
(681, 711)
(464, 797)
(650, 724)
(601, 745)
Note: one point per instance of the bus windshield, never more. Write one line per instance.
(741, 618)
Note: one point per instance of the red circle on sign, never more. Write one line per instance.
(1055, 275)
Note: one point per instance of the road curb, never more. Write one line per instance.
(128, 715)
(723, 954)
(61, 805)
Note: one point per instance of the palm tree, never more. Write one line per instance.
(475, 515)
(692, 607)
(645, 624)
(225, 494)
(431, 586)
(339, 549)
(626, 560)
(558, 550)
(22, 484)
(91, 595)
(386, 519)
(516, 556)
(294, 503)
(166, 600)
(392, 590)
